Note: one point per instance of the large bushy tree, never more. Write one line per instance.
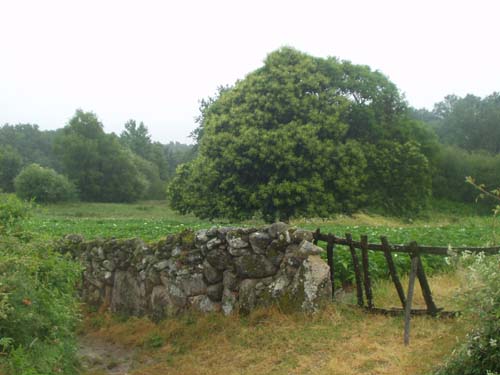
(290, 139)
(101, 168)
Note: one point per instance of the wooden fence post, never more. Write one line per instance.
(392, 270)
(366, 271)
(329, 254)
(409, 299)
(357, 272)
(426, 289)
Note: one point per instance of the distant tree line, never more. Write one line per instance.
(469, 133)
(81, 161)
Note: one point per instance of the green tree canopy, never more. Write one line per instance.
(10, 165)
(470, 122)
(290, 138)
(101, 168)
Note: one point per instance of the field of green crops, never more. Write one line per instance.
(442, 225)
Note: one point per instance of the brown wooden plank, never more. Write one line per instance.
(357, 271)
(392, 270)
(316, 236)
(366, 271)
(433, 250)
(329, 256)
(409, 297)
(426, 289)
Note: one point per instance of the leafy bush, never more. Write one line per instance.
(44, 185)
(454, 164)
(38, 309)
(12, 211)
(480, 354)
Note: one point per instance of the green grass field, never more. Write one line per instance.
(442, 225)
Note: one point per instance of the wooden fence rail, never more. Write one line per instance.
(363, 278)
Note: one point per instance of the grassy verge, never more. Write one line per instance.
(339, 340)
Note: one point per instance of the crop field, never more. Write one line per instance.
(153, 220)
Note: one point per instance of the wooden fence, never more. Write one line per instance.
(363, 279)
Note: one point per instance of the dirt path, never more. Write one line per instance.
(98, 356)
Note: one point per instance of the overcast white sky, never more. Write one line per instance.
(154, 60)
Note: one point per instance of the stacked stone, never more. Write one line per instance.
(221, 269)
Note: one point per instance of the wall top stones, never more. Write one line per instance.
(224, 269)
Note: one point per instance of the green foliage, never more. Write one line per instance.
(290, 140)
(480, 354)
(399, 170)
(470, 122)
(38, 309)
(10, 165)
(43, 185)
(38, 305)
(12, 212)
(454, 164)
(31, 143)
(100, 166)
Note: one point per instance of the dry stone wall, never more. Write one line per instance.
(221, 269)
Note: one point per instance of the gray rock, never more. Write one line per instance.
(212, 232)
(301, 234)
(254, 266)
(162, 265)
(204, 304)
(230, 280)
(219, 259)
(260, 241)
(308, 248)
(108, 277)
(109, 265)
(239, 252)
(237, 243)
(229, 302)
(277, 228)
(129, 294)
(176, 251)
(214, 292)
(311, 285)
(201, 236)
(212, 275)
(167, 301)
(192, 285)
(213, 243)
(247, 298)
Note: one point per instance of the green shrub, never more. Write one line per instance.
(38, 309)
(454, 164)
(12, 211)
(480, 354)
(44, 185)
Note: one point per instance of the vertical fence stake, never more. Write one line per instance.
(357, 272)
(392, 270)
(329, 254)
(316, 236)
(426, 289)
(366, 271)
(409, 299)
